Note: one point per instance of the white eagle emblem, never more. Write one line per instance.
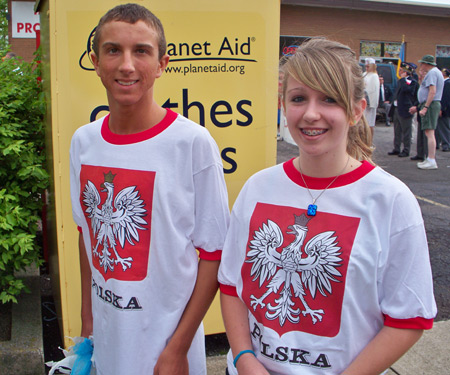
(289, 272)
(120, 220)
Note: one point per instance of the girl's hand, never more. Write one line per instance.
(249, 365)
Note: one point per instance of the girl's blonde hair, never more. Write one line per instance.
(331, 68)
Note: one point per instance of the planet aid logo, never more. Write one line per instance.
(229, 56)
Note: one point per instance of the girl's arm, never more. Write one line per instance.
(235, 317)
(384, 350)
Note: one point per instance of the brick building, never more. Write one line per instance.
(22, 28)
(372, 28)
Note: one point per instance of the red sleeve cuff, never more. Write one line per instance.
(80, 229)
(228, 289)
(205, 255)
(413, 323)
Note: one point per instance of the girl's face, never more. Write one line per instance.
(318, 125)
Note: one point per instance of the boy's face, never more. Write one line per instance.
(128, 63)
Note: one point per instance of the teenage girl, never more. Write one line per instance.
(325, 269)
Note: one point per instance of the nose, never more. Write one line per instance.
(127, 63)
(311, 112)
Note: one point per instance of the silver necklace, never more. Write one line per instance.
(312, 208)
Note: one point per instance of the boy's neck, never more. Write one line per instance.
(131, 120)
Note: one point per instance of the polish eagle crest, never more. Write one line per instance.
(119, 220)
(293, 269)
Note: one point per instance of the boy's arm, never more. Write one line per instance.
(384, 350)
(235, 317)
(173, 360)
(86, 281)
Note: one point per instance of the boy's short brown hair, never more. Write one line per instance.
(131, 13)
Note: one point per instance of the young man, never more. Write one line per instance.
(147, 191)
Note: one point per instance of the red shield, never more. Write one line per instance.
(344, 229)
(136, 239)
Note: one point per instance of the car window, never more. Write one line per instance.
(385, 71)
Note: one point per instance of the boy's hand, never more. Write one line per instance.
(171, 363)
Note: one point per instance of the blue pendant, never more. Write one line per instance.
(312, 209)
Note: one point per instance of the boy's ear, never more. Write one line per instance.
(163, 62)
(358, 111)
(94, 60)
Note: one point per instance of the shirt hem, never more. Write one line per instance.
(228, 290)
(205, 255)
(413, 323)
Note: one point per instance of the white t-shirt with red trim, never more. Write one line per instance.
(319, 288)
(145, 202)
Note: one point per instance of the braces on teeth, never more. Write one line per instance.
(313, 132)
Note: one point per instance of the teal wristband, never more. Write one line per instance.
(240, 353)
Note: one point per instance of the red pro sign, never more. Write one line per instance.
(25, 22)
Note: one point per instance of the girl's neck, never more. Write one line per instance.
(323, 167)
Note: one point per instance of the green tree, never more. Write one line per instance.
(4, 43)
(23, 178)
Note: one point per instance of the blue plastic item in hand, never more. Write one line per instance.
(83, 351)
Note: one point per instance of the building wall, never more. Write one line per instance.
(24, 48)
(422, 33)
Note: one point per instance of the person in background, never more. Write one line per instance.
(9, 55)
(321, 274)
(385, 100)
(429, 97)
(372, 86)
(443, 126)
(404, 97)
(421, 139)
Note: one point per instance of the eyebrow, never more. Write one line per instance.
(138, 45)
(297, 88)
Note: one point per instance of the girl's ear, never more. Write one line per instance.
(358, 111)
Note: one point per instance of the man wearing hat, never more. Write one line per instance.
(404, 98)
(429, 96)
